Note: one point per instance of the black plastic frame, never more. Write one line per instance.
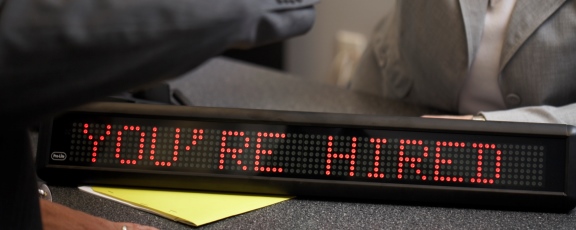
(556, 201)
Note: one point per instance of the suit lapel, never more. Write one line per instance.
(527, 16)
(473, 12)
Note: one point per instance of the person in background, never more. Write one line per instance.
(55, 54)
(500, 60)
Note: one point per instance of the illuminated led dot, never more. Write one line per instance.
(436, 178)
(423, 177)
(220, 167)
(402, 141)
(151, 157)
(472, 180)
(460, 179)
(369, 174)
(93, 159)
(399, 176)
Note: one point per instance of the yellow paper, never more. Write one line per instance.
(194, 208)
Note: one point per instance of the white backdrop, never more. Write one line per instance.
(310, 56)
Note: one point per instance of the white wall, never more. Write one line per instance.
(310, 56)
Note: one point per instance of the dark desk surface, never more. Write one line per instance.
(225, 83)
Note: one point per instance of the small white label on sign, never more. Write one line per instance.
(58, 156)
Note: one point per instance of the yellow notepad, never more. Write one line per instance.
(193, 208)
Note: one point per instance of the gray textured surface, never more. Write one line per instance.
(222, 83)
(311, 214)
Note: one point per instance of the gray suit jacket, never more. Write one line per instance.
(59, 53)
(423, 50)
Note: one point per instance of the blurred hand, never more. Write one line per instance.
(56, 216)
(461, 117)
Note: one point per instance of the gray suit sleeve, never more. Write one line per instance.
(536, 114)
(58, 53)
